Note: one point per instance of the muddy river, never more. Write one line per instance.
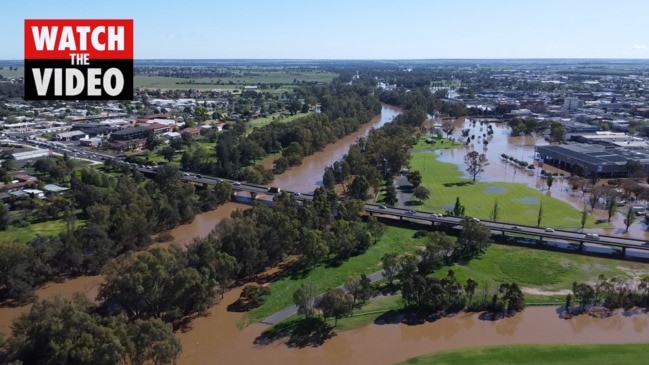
(308, 176)
(216, 339)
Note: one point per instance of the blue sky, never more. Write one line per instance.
(357, 29)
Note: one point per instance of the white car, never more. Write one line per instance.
(437, 215)
(593, 236)
(549, 229)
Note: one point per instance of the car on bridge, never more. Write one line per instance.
(548, 229)
(437, 215)
(411, 211)
(592, 236)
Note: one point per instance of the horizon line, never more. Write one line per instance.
(375, 59)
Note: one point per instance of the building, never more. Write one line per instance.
(69, 136)
(603, 161)
(128, 134)
(37, 153)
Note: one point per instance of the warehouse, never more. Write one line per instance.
(604, 161)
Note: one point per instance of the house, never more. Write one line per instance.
(54, 189)
(191, 130)
(170, 135)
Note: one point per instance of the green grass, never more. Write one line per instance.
(368, 313)
(541, 269)
(518, 203)
(13, 73)
(539, 354)
(281, 118)
(284, 78)
(440, 144)
(26, 234)
(394, 240)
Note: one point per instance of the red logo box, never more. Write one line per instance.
(78, 59)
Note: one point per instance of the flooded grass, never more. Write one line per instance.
(395, 239)
(535, 268)
(446, 182)
(539, 354)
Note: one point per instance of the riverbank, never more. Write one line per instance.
(635, 354)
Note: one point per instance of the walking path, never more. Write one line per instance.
(281, 315)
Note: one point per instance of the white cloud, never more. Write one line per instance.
(639, 46)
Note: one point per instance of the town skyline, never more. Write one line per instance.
(359, 30)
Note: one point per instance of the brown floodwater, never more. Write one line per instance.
(203, 224)
(218, 339)
(522, 148)
(88, 285)
(226, 338)
(308, 176)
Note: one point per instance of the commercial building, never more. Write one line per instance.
(604, 161)
(127, 134)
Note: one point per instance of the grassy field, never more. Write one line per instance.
(539, 354)
(440, 144)
(546, 270)
(281, 118)
(394, 240)
(26, 234)
(13, 73)
(518, 203)
(286, 79)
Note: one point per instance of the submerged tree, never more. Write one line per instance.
(629, 219)
(475, 163)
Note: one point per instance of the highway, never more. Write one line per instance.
(497, 228)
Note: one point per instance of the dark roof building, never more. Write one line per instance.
(604, 161)
(127, 134)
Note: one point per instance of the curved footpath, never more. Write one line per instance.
(281, 315)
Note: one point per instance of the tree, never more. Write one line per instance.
(223, 192)
(415, 178)
(473, 240)
(470, 287)
(611, 206)
(153, 341)
(539, 218)
(4, 216)
(304, 299)
(513, 296)
(255, 295)
(448, 128)
(168, 153)
(335, 303)
(390, 262)
(584, 217)
(475, 163)
(421, 193)
(156, 283)
(17, 271)
(390, 197)
(359, 187)
(635, 169)
(549, 180)
(629, 219)
(329, 178)
(312, 247)
(578, 169)
(60, 331)
(557, 132)
(494, 212)
(458, 209)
